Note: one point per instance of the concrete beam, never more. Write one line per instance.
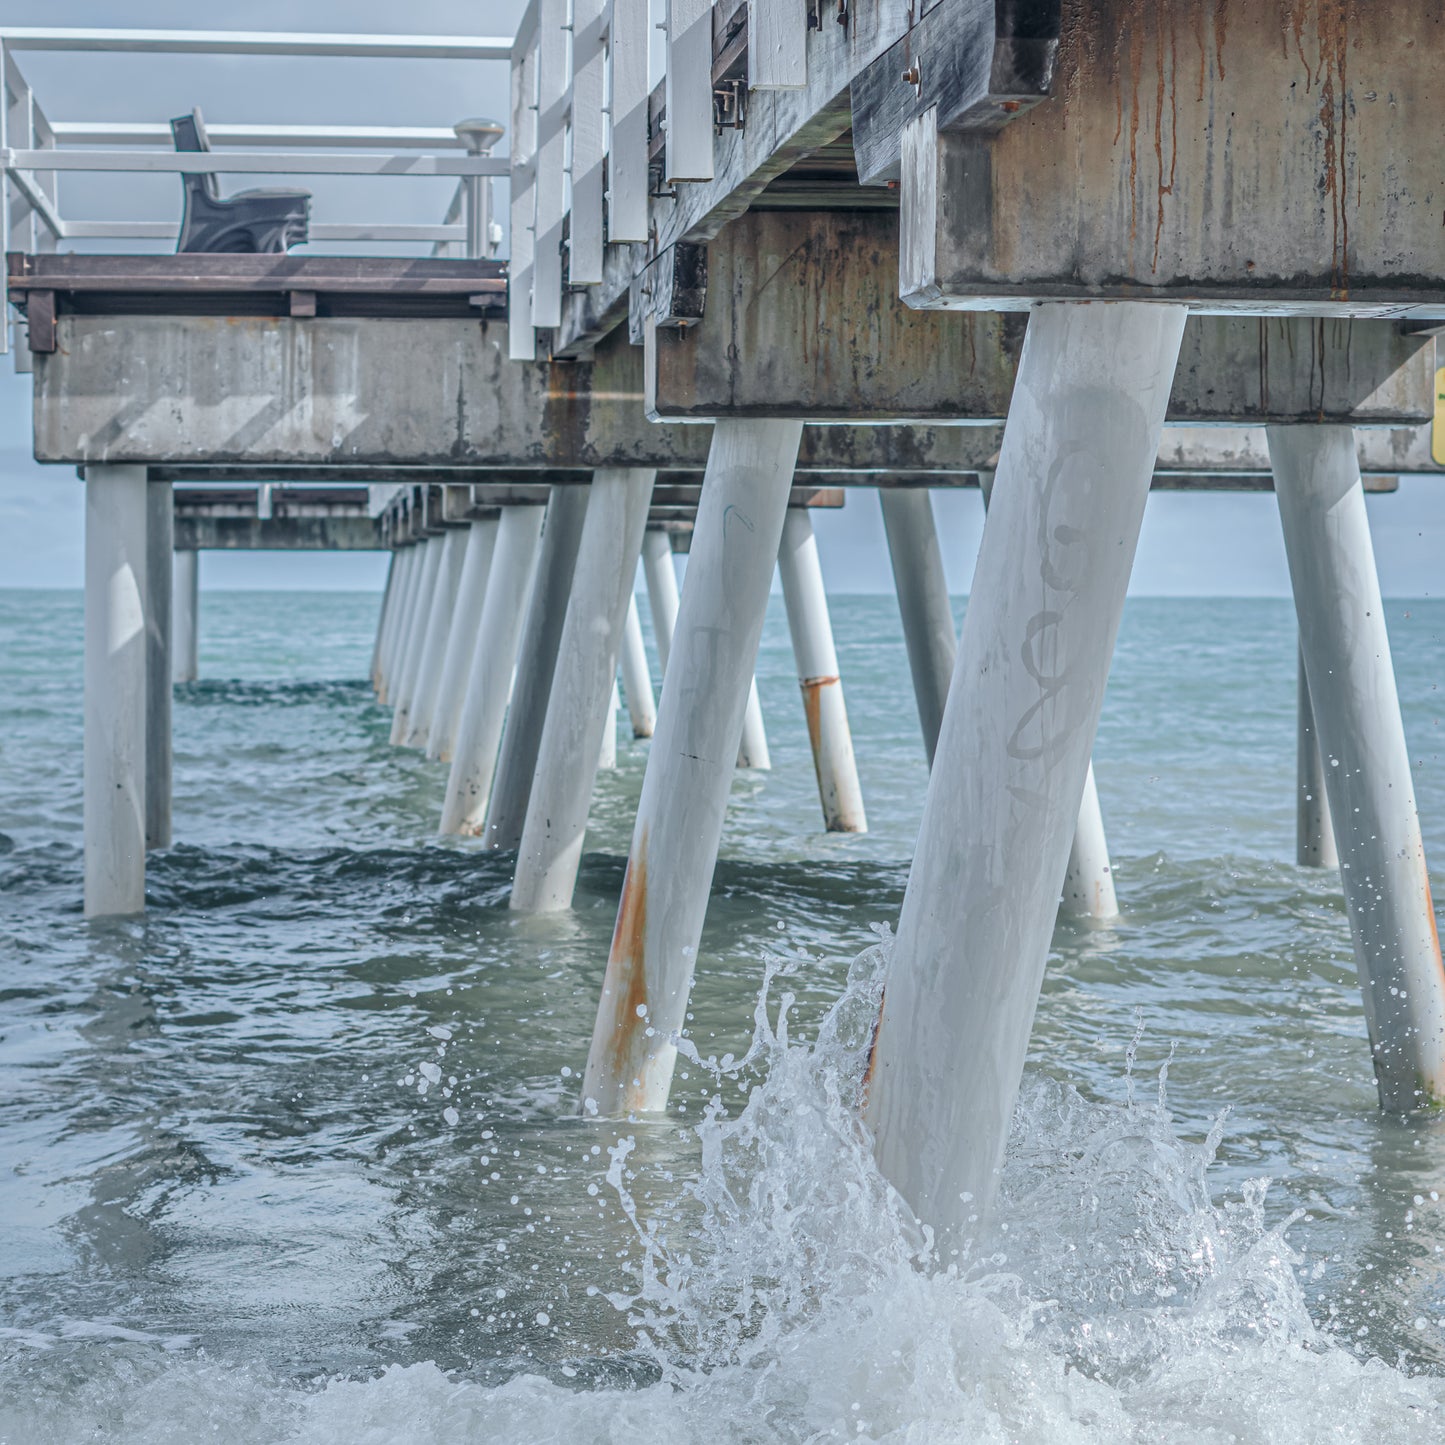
(355, 394)
(802, 319)
(277, 534)
(1399, 451)
(251, 399)
(1249, 154)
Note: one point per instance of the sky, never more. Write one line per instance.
(1192, 545)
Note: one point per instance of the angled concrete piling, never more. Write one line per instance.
(637, 676)
(489, 680)
(1351, 682)
(462, 638)
(1314, 828)
(546, 611)
(583, 688)
(1003, 797)
(434, 641)
(825, 711)
(690, 766)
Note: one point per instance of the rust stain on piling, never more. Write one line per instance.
(866, 1087)
(813, 707)
(626, 982)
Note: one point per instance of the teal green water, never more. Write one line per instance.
(234, 1204)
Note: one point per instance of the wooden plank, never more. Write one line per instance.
(589, 60)
(777, 44)
(521, 337)
(554, 75)
(689, 152)
(192, 271)
(627, 154)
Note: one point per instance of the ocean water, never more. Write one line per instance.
(294, 1157)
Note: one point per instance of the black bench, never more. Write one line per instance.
(254, 222)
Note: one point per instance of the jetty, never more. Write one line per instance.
(1062, 254)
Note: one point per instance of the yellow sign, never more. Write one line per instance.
(1437, 432)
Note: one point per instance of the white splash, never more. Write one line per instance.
(788, 1296)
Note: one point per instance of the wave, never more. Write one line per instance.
(787, 1294)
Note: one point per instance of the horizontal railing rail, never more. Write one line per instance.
(34, 152)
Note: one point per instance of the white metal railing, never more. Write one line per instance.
(580, 141)
(34, 152)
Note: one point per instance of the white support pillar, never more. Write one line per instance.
(185, 616)
(536, 663)
(160, 534)
(462, 639)
(661, 577)
(434, 643)
(431, 557)
(398, 623)
(583, 686)
(1314, 828)
(607, 752)
(489, 679)
(928, 628)
(822, 688)
(388, 598)
(116, 594)
(753, 745)
(662, 598)
(1367, 767)
(637, 676)
(1089, 879)
(1003, 796)
(690, 766)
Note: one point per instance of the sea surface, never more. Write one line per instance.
(295, 1156)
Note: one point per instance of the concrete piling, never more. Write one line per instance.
(116, 597)
(1314, 828)
(412, 648)
(1003, 796)
(434, 642)
(185, 617)
(607, 752)
(536, 663)
(661, 578)
(160, 532)
(583, 686)
(481, 541)
(826, 712)
(753, 746)
(1089, 878)
(1351, 682)
(928, 629)
(489, 679)
(637, 676)
(690, 766)
(388, 600)
(662, 598)
(398, 623)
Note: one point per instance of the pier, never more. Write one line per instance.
(827, 254)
